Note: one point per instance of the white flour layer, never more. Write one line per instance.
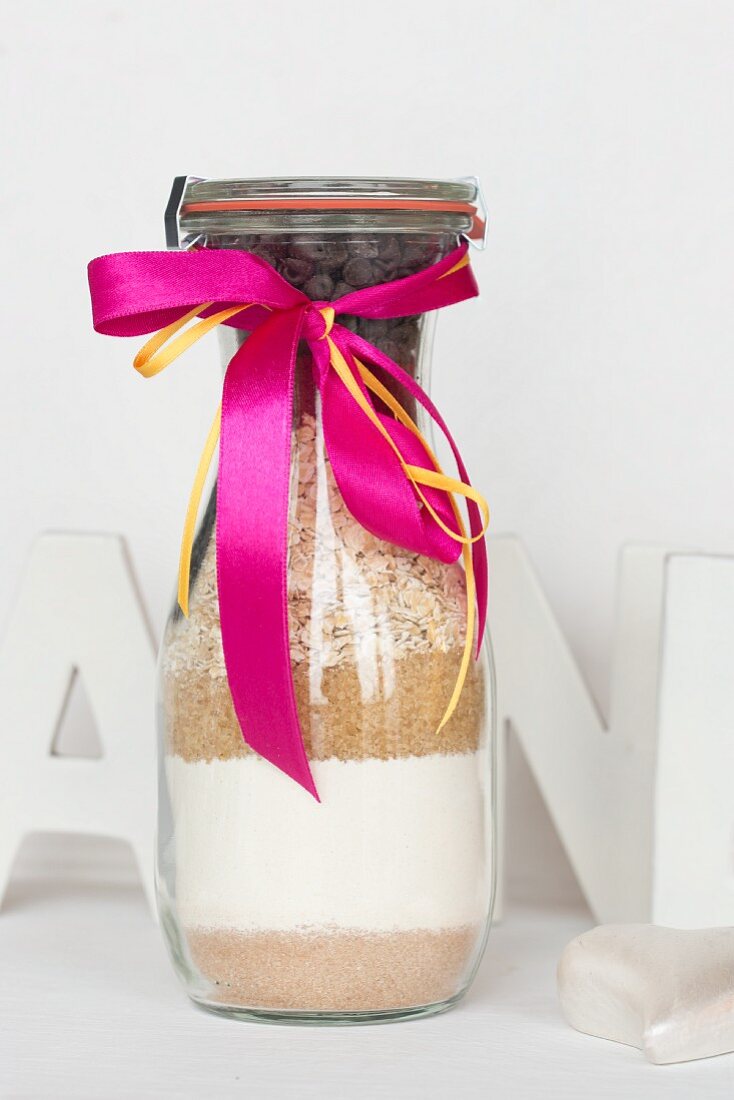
(394, 844)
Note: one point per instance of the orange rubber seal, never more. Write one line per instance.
(476, 231)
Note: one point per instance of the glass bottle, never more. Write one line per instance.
(375, 903)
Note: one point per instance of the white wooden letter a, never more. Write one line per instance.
(78, 609)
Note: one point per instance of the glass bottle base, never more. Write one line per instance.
(326, 1019)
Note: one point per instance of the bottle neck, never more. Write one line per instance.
(327, 266)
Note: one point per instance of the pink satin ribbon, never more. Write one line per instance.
(141, 292)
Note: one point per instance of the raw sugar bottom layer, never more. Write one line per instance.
(333, 971)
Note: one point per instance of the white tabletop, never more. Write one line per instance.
(91, 1008)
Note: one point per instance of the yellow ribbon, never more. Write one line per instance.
(158, 353)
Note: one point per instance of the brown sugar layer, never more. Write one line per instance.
(201, 723)
(340, 971)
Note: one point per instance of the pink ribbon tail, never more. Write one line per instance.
(252, 542)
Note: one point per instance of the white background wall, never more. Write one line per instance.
(591, 385)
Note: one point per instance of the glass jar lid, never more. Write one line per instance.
(323, 205)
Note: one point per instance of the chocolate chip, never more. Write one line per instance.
(319, 287)
(416, 254)
(358, 272)
(389, 347)
(269, 248)
(379, 326)
(405, 332)
(384, 269)
(337, 254)
(296, 270)
(270, 256)
(315, 250)
(368, 250)
(327, 255)
(388, 250)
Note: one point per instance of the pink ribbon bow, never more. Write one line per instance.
(142, 292)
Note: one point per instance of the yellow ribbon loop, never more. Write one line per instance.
(154, 357)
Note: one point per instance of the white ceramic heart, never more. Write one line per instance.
(669, 992)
